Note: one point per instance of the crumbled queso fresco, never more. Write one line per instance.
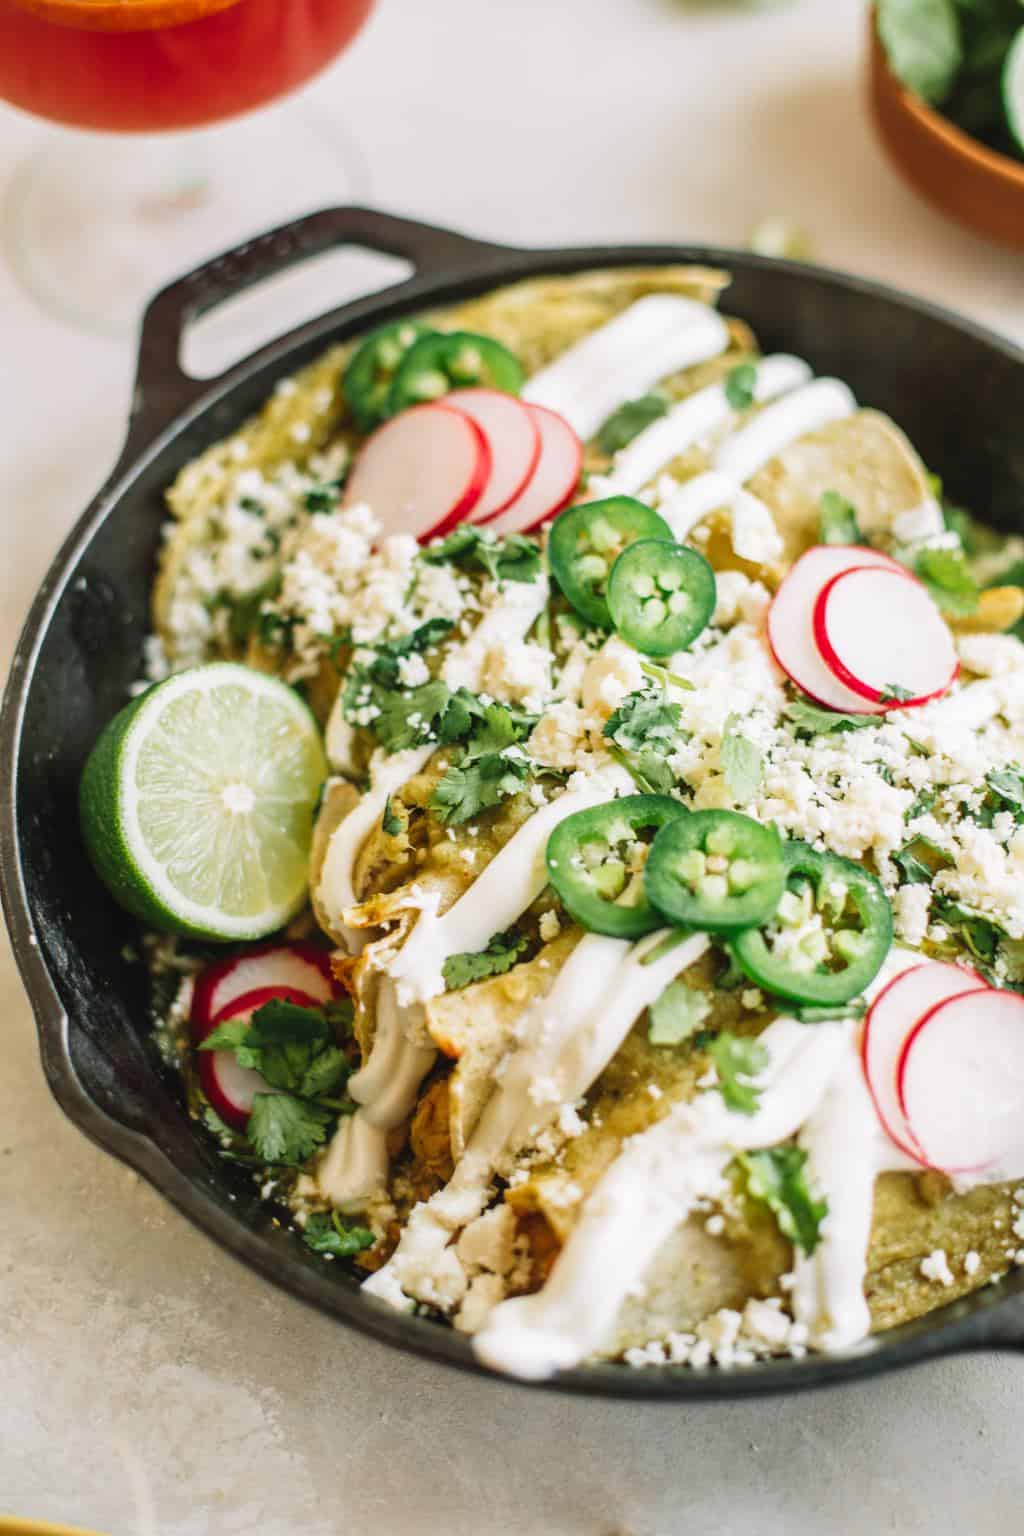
(374, 629)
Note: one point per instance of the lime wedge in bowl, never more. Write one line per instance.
(197, 803)
(1013, 89)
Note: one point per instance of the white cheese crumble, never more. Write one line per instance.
(936, 1267)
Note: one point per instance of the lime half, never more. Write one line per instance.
(197, 803)
(1013, 89)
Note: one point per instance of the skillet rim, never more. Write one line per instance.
(167, 402)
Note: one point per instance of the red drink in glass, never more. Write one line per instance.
(149, 65)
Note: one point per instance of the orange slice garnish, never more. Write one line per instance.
(123, 15)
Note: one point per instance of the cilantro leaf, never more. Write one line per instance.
(629, 421)
(496, 728)
(742, 764)
(677, 1014)
(1007, 784)
(740, 386)
(976, 933)
(331, 1235)
(285, 1129)
(412, 718)
(778, 1177)
(894, 693)
(644, 719)
(325, 1074)
(293, 1047)
(513, 558)
(922, 42)
(502, 953)
(839, 523)
(650, 771)
(384, 668)
(920, 861)
(815, 721)
(738, 1059)
(948, 576)
(391, 823)
(468, 788)
(922, 805)
(227, 1036)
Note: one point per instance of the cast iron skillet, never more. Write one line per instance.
(958, 391)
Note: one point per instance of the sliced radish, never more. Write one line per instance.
(893, 1016)
(961, 1083)
(513, 439)
(421, 472)
(554, 480)
(791, 624)
(304, 967)
(229, 1088)
(876, 628)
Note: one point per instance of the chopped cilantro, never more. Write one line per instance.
(502, 953)
(920, 861)
(976, 933)
(293, 1047)
(391, 823)
(838, 519)
(491, 765)
(412, 718)
(894, 693)
(778, 1177)
(815, 721)
(664, 676)
(513, 558)
(330, 1235)
(323, 498)
(468, 788)
(738, 1059)
(286, 1129)
(641, 732)
(742, 764)
(947, 575)
(677, 1014)
(1007, 784)
(629, 421)
(296, 1051)
(922, 805)
(741, 385)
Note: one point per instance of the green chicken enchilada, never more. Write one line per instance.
(577, 812)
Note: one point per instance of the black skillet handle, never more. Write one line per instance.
(163, 388)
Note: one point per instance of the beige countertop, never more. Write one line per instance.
(149, 1383)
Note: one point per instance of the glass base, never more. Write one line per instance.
(95, 223)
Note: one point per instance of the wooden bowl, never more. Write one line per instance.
(970, 182)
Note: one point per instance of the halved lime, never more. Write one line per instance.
(1013, 89)
(197, 803)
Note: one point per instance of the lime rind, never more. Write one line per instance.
(197, 803)
(1013, 90)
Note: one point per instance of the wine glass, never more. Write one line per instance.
(98, 219)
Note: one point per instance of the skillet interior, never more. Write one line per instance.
(957, 391)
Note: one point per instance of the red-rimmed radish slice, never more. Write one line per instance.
(513, 438)
(961, 1083)
(791, 624)
(554, 480)
(304, 967)
(893, 1016)
(229, 1088)
(876, 628)
(421, 472)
